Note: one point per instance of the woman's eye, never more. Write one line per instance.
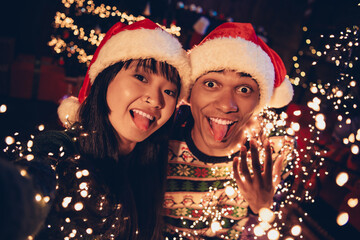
(245, 90)
(140, 77)
(170, 93)
(210, 84)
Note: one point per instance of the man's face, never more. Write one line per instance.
(221, 104)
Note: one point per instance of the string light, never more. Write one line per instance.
(94, 37)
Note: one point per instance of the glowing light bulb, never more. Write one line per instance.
(266, 215)
(353, 202)
(273, 234)
(66, 201)
(296, 230)
(342, 178)
(41, 127)
(78, 206)
(38, 197)
(215, 226)
(342, 218)
(355, 149)
(352, 138)
(9, 140)
(295, 126)
(230, 191)
(3, 108)
(258, 231)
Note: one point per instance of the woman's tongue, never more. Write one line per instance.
(141, 122)
(219, 131)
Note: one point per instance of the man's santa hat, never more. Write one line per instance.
(235, 46)
(140, 40)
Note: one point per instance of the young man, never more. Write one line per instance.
(210, 188)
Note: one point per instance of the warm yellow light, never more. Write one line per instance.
(41, 127)
(352, 138)
(321, 125)
(23, 172)
(319, 117)
(258, 231)
(230, 191)
(3, 108)
(273, 234)
(290, 131)
(342, 178)
(29, 157)
(78, 206)
(295, 126)
(339, 94)
(85, 172)
(38, 197)
(297, 113)
(215, 226)
(89, 231)
(314, 89)
(352, 83)
(66, 201)
(353, 202)
(355, 149)
(269, 126)
(342, 218)
(266, 215)
(296, 230)
(9, 140)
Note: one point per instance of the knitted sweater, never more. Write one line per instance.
(199, 188)
(189, 196)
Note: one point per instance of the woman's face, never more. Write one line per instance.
(140, 103)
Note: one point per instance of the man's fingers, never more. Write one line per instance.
(277, 169)
(268, 165)
(243, 164)
(255, 162)
(236, 173)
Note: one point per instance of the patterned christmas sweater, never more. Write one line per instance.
(199, 189)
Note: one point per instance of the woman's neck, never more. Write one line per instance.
(126, 146)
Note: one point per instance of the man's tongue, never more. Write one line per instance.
(141, 122)
(219, 130)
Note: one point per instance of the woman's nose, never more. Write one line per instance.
(155, 99)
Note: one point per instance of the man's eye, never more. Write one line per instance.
(245, 90)
(140, 77)
(170, 93)
(210, 84)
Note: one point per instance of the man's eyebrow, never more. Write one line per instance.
(243, 74)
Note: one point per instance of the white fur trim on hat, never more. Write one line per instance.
(68, 110)
(234, 54)
(134, 44)
(282, 95)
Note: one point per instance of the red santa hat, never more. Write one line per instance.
(235, 46)
(140, 40)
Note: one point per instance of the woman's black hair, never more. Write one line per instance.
(139, 180)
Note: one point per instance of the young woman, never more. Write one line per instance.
(103, 177)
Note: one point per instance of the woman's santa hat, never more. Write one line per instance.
(235, 46)
(140, 40)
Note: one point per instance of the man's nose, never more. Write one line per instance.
(226, 102)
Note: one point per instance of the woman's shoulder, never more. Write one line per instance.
(55, 143)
